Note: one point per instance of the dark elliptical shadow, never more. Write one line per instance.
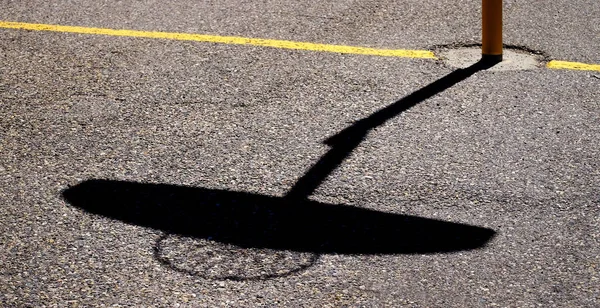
(257, 221)
(292, 222)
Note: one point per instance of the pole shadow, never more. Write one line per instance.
(292, 222)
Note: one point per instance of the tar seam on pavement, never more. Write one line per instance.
(283, 44)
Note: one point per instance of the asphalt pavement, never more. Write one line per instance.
(138, 172)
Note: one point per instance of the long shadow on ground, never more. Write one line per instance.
(292, 222)
(257, 221)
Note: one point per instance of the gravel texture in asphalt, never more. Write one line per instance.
(140, 172)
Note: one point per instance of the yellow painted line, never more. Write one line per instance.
(235, 40)
(554, 64)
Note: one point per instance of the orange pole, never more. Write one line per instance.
(491, 34)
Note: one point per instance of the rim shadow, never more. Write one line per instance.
(263, 223)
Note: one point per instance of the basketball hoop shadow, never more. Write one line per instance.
(292, 223)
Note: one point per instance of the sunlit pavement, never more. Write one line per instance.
(141, 171)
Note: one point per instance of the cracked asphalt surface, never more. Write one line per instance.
(514, 152)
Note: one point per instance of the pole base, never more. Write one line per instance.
(491, 59)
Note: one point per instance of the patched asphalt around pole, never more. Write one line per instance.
(511, 152)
